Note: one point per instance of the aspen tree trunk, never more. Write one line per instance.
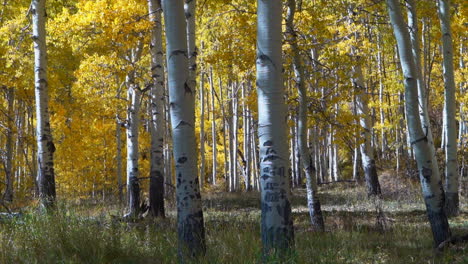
(313, 201)
(246, 143)
(213, 130)
(367, 152)
(255, 154)
(276, 223)
(382, 76)
(8, 195)
(118, 139)
(451, 166)
(157, 125)
(133, 183)
(202, 131)
(432, 188)
(45, 145)
(463, 128)
(234, 127)
(190, 227)
(225, 130)
(190, 11)
(415, 48)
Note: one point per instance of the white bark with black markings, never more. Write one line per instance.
(276, 220)
(157, 125)
(45, 145)
(451, 164)
(431, 183)
(313, 202)
(190, 226)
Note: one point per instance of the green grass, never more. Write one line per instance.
(89, 234)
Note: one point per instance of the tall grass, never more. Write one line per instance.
(89, 234)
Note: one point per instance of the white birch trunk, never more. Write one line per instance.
(431, 184)
(276, 223)
(157, 125)
(45, 145)
(190, 226)
(451, 166)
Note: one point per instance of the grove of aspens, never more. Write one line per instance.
(234, 131)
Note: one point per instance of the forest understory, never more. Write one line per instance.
(392, 229)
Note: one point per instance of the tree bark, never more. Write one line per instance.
(213, 131)
(432, 188)
(10, 96)
(276, 224)
(45, 145)
(313, 201)
(451, 166)
(133, 183)
(190, 226)
(157, 125)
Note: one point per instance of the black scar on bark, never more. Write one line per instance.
(187, 88)
(182, 160)
(268, 143)
(426, 173)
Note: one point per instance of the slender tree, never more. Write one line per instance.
(10, 97)
(45, 146)
(157, 128)
(313, 201)
(431, 184)
(133, 183)
(276, 222)
(451, 166)
(190, 227)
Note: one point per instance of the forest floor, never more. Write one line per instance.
(91, 232)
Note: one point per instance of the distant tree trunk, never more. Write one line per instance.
(432, 188)
(45, 145)
(313, 201)
(213, 131)
(225, 130)
(202, 130)
(157, 126)
(8, 195)
(247, 138)
(276, 223)
(118, 139)
(190, 226)
(451, 166)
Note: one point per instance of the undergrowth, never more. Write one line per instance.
(94, 233)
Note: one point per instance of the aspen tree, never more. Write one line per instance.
(313, 201)
(276, 220)
(157, 125)
(431, 184)
(45, 145)
(451, 165)
(190, 226)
